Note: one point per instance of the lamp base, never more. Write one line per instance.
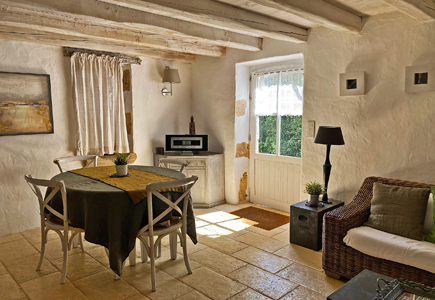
(325, 199)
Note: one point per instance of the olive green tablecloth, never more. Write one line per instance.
(108, 215)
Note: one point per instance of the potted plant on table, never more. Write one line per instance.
(313, 189)
(121, 163)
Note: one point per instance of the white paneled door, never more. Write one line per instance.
(276, 132)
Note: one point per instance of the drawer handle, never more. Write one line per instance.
(303, 218)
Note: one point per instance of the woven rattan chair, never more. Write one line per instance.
(88, 160)
(57, 222)
(340, 260)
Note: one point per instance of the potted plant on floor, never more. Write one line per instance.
(121, 164)
(313, 189)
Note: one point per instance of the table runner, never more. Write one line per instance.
(134, 185)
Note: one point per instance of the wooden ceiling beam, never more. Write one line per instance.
(420, 10)
(100, 30)
(49, 38)
(218, 15)
(315, 11)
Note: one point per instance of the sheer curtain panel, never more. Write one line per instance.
(99, 104)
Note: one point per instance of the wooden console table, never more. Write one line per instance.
(209, 190)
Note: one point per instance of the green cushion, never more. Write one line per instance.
(398, 210)
(431, 236)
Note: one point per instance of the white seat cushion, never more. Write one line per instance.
(419, 254)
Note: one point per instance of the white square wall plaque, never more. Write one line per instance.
(420, 79)
(353, 83)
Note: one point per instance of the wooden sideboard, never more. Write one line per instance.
(209, 190)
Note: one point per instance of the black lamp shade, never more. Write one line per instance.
(329, 135)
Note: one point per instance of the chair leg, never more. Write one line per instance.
(81, 241)
(65, 256)
(43, 242)
(173, 245)
(186, 259)
(143, 252)
(152, 261)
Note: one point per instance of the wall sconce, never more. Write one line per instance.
(170, 76)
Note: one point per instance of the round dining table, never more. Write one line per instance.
(108, 215)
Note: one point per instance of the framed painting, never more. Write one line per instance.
(25, 104)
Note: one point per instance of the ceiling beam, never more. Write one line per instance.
(100, 30)
(420, 10)
(218, 15)
(146, 22)
(315, 11)
(49, 38)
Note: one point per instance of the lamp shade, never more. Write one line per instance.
(329, 135)
(171, 75)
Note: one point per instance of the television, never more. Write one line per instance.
(187, 144)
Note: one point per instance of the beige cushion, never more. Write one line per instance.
(428, 220)
(398, 210)
(419, 254)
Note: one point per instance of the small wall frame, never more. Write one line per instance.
(353, 83)
(420, 79)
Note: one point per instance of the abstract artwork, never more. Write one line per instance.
(25, 104)
(352, 84)
(420, 78)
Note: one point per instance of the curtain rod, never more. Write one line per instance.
(124, 58)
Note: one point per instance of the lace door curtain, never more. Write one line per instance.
(99, 104)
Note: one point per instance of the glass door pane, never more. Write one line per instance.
(266, 134)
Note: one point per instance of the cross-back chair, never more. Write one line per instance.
(177, 227)
(56, 221)
(61, 161)
(170, 162)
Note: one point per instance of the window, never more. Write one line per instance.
(278, 104)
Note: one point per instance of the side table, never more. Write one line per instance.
(306, 223)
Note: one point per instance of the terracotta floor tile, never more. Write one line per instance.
(10, 289)
(262, 242)
(262, 259)
(302, 255)
(24, 269)
(103, 286)
(217, 261)
(310, 278)
(212, 284)
(49, 288)
(264, 282)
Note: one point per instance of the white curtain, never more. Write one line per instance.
(99, 104)
(279, 92)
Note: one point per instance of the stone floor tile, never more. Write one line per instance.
(217, 261)
(138, 297)
(24, 269)
(34, 236)
(9, 251)
(103, 286)
(311, 278)
(264, 282)
(212, 284)
(223, 244)
(262, 259)
(53, 249)
(167, 287)
(79, 265)
(231, 207)
(302, 255)
(49, 288)
(249, 294)
(263, 242)
(2, 269)
(175, 267)
(195, 295)
(237, 225)
(10, 289)
(216, 217)
(202, 211)
(99, 254)
(264, 232)
(10, 238)
(284, 236)
(302, 293)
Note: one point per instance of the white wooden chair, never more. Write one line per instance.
(68, 159)
(57, 222)
(178, 226)
(169, 162)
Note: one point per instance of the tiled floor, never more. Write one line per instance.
(231, 261)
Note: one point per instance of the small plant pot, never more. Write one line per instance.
(313, 200)
(121, 170)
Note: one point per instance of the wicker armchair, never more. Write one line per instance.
(340, 260)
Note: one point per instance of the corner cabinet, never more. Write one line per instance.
(209, 190)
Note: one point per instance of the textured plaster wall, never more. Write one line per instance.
(387, 132)
(153, 117)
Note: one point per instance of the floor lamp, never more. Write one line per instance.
(328, 135)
